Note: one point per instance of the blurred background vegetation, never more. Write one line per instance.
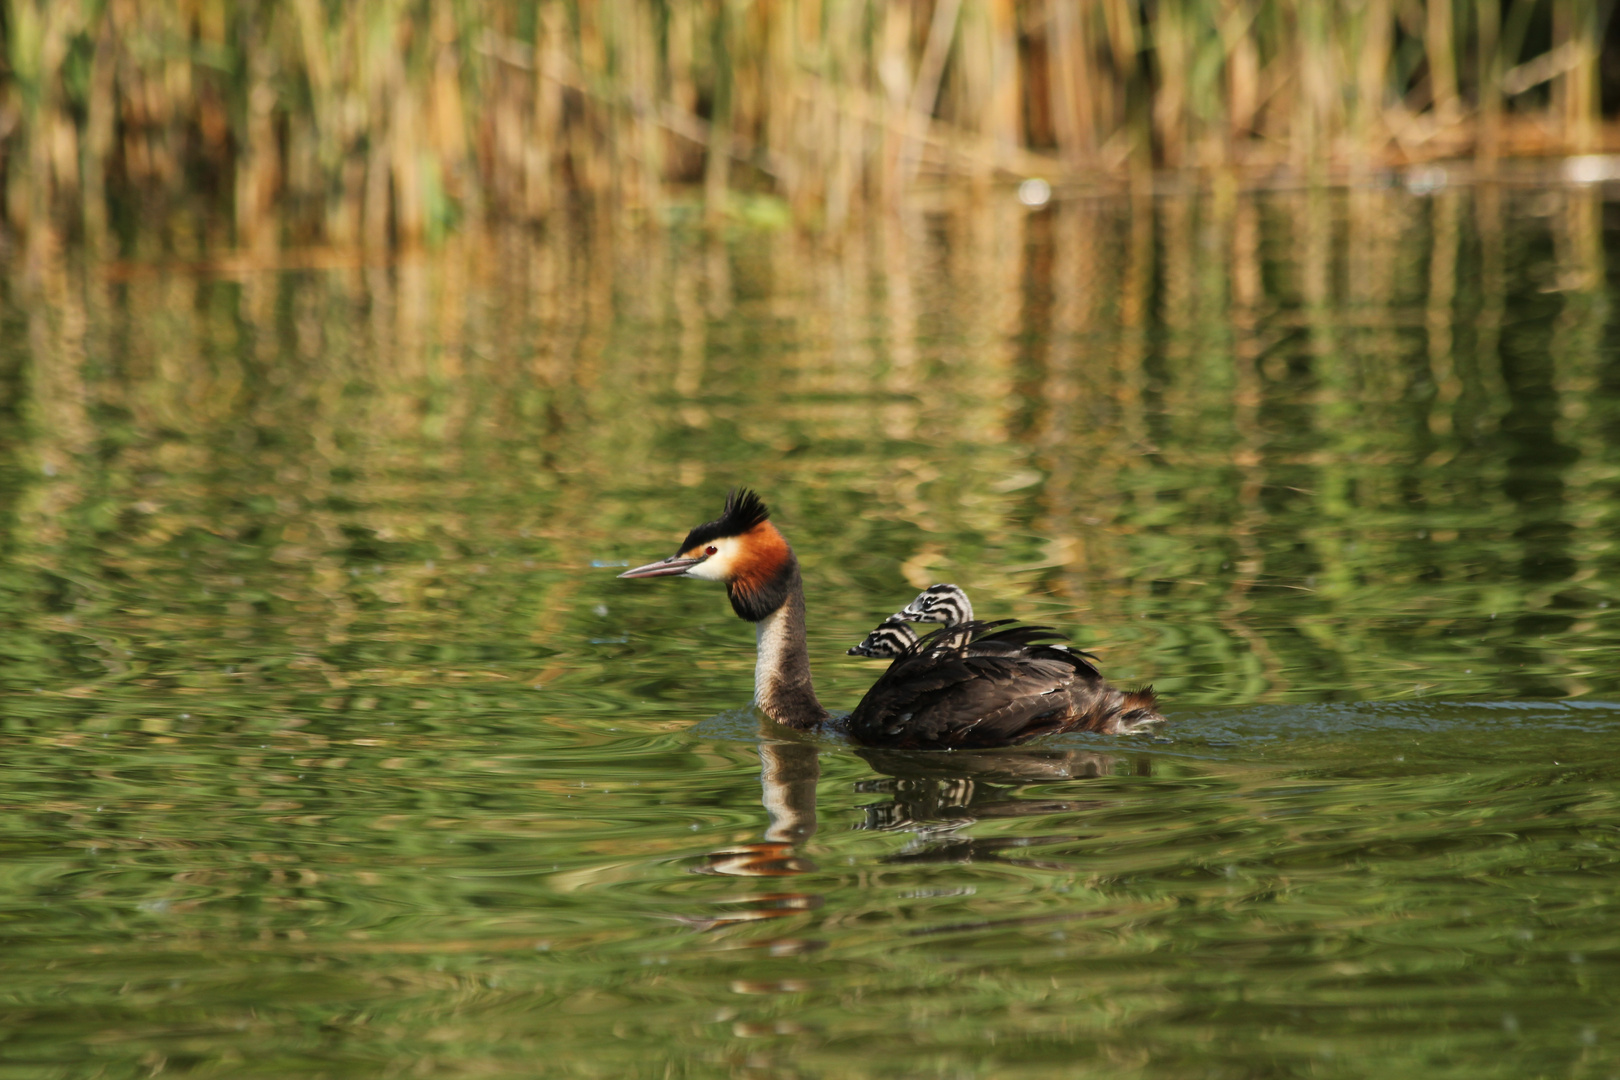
(391, 121)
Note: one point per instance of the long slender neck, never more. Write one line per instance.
(782, 687)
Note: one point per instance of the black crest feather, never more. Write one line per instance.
(743, 510)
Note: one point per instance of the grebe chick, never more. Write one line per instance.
(888, 639)
(946, 604)
(975, 685)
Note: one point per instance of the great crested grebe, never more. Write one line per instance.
(971, 685)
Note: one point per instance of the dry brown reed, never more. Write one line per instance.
(386, 121)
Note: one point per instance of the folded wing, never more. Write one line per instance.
(987, 684)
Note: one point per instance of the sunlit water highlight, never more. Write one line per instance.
(334, 747)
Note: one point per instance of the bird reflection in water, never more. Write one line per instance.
(933, 795)
(788, 775)
(936, 796)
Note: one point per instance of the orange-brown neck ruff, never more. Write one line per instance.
(764, 573)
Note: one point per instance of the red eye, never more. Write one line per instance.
(710, 550)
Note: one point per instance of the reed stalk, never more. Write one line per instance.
(1488, 42)
(387, 122)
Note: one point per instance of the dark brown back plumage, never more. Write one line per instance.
(983, 684)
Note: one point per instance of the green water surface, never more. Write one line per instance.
(332, 745)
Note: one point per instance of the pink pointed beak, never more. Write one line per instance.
(669, 567)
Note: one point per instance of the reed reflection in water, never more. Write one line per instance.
(331, 746)
(1318, 445)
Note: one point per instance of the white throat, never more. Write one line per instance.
(771, 638)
